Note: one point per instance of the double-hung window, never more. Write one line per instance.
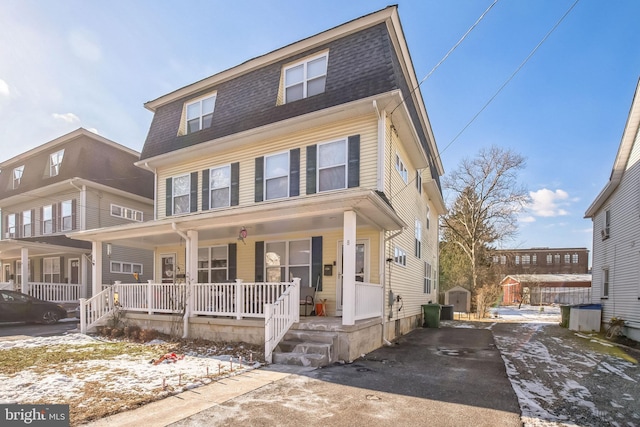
(402, 169)
(51, 270)
(399, 256)
(286, 260)
(26, 224)
(55, 160)
(66, 214)
(574, 258)
(332, 165)
(220, 187)
(549, 259)
(200, 114)
(11, 226)
(427, 278)
(126, 213)
(567, 258)
(181, 200)
(213, 264)
(305, 78)
(47, 219)
(418, 237)
(17, 176)
(605, 282)
(276, 176)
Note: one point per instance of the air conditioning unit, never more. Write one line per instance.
(604, 233)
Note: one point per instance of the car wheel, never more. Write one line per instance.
(50, 317)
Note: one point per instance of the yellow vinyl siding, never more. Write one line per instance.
(365, 126)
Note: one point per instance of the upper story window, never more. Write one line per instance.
(17, 176)
(11, 226)
(402, 169)
(503, 259)
(66, 214)
(126, 213)
(517, 260)
(606, 225)
(276, 176)
(332, 165)
(549, 259)
(26, 224)
(419, 181)
(220, 187)
(55, 160)
(526, 259)
(200, 113)
(181, 200)
(47, 219)
(399, 256)
(534, 259)
(305, 78)
(567, 258)
(418, 238)
(556, 259)
(574, 258)
(428, 217)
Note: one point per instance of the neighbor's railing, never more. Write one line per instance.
(279, 317)
(96, 308)
(56, 292)
(369, 301)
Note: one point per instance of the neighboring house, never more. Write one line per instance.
(315, 161)
(546, 288)
(616, 232)
(542, 261)
(76, 182)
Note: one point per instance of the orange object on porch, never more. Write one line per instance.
(320, 309)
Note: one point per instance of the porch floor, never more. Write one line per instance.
(331, 324)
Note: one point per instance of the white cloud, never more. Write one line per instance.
(527, 218)
(4, 88)
(83, 46)
(548, 203)
(94, 130)
(67, 117)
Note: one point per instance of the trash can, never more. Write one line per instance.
(431, 315)
(446, 312)
(565, 311)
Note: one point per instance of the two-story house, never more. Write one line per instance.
(315, 161)
(78, 181)
(616, 232)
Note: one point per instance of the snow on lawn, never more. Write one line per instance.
(84, 383)
(561, 377)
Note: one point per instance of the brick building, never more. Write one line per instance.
(542, 261)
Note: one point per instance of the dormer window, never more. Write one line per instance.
(17, 176)
(200, 114)
(55, 160)
(306, 78)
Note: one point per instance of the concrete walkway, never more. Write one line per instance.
(439, 377)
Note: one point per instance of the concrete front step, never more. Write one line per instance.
(295, 351)
(301, 359)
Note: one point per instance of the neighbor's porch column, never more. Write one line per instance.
(96, 268)
(24, 269)
(349, 269)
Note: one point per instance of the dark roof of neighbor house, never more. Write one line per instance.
(58, 240)
(86, 155)
(361, 64)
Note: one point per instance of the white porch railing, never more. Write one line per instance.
(369, 300)
(279, 317)
(96, 308)
(55, 292)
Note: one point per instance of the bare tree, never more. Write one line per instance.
(486, 200)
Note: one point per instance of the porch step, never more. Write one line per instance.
(303, 353)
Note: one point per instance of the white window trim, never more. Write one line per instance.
(11, 228)
(209, 268)
(606, 280)
(211, 188)
(173, 193)
(428, 281)
(26, 224)
(17, 176)
(418, 238)
(288, 175)
(305, 79)
(399, 256)
(45, 220)
(346, 164)
(54, 166)
(402, 168)
(198, 101)
(70, 216)
(122, 264)
(48, 269)
(287, 256)
(124, 213)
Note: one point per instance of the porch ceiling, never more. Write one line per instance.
(55, 245)
(306, 213)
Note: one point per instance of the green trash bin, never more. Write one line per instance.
(431, 315)
(565, 311)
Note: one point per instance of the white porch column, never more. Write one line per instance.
(84, 269)
(24, 269)
(349, 269)
(96, 268)
(191, 276)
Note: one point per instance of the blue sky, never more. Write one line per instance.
(68, 63)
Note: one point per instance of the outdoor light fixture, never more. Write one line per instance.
(108, 249)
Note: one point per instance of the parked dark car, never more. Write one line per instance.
(19, 307)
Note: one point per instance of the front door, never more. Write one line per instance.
(167, 263)
(7, 272)
(74, 271)
(362, 268)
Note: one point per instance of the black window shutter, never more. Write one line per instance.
(41, 271)
(259, 262)
(169, 197)
(194, 192)
(54, 218)
(316, 262)
(42, 220)
(235, 184)
(33, 222)
(294, 172)
(311, 169)
(205, 189)
(62, 278)
(233, 261)
(18, 220)
(354, 161)
(259, 197)
(74, 208)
